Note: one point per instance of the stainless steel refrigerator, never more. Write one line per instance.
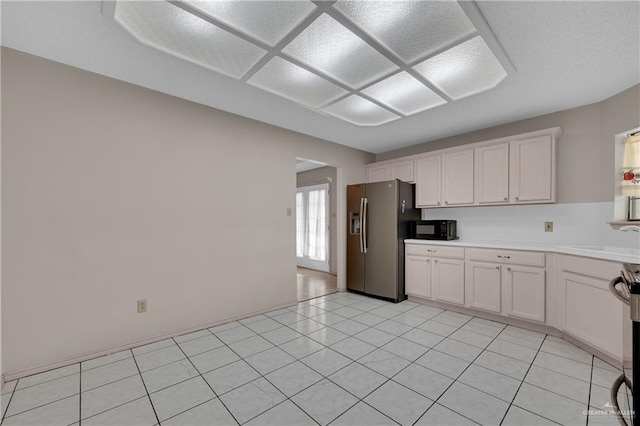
(378, 220)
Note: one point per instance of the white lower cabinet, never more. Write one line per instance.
(448, 280)
(418, 276)
(435, 272)
(523, 292)
(514, 283)
(507, 282)
(586, 308)
(483, 286)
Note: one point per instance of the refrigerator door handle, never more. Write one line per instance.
(361, 234)
(364, 224)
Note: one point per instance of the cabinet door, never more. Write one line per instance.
(402, 170)
(492, 174)
(378, 173)
(418, 276)
(429, 181)
(448, 280)
(457, 178)
(533, 178)
(483, 286)
(523, 293)
(591, 313)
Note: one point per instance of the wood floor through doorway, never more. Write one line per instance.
(313, 284)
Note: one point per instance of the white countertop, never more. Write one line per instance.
(617, 254)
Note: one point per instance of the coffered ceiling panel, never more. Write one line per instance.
(179, 33)
(371, 75)
(410, 29)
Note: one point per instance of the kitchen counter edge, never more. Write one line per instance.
(618, 255)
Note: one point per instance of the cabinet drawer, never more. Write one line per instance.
(435, 251)
(513, 257)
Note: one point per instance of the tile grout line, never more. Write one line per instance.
(4, 413)
(410, 362)
(38, 406)
(522, 382)
(311, 368)
(396, 336)
(145, 387)
(454, 380)
(263, 376)
(590, 388)
(205, 380)
(80, 395)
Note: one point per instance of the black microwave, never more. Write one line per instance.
(434, 230)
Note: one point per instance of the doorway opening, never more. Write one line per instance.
(315, 229)
(312, 227)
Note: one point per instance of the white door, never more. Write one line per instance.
(312, 227)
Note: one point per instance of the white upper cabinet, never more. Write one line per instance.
(399, 169)
(429, 181)
(402, 170)
(457, 178)
(492, 174)
(378, 173)
(519, 169)
(533, 175)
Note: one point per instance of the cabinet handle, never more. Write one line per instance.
(435, 261)
(509, 269)
(497, 267)
(517, 198)
(446, 202)
(506, 199)
(504, 257)
(438, 202)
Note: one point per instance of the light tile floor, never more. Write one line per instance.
(341, 359)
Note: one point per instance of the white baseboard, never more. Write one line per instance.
(13, 375)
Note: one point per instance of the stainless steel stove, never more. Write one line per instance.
(626, 287)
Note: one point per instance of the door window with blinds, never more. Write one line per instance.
(312, 227)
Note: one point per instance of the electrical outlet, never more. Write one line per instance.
(142, 306)
(548, 227)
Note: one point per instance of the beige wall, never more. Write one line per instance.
(586, 169)
(113, 193)
(317, 177)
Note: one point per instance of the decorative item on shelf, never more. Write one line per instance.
(631, 165)
(631, 175)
